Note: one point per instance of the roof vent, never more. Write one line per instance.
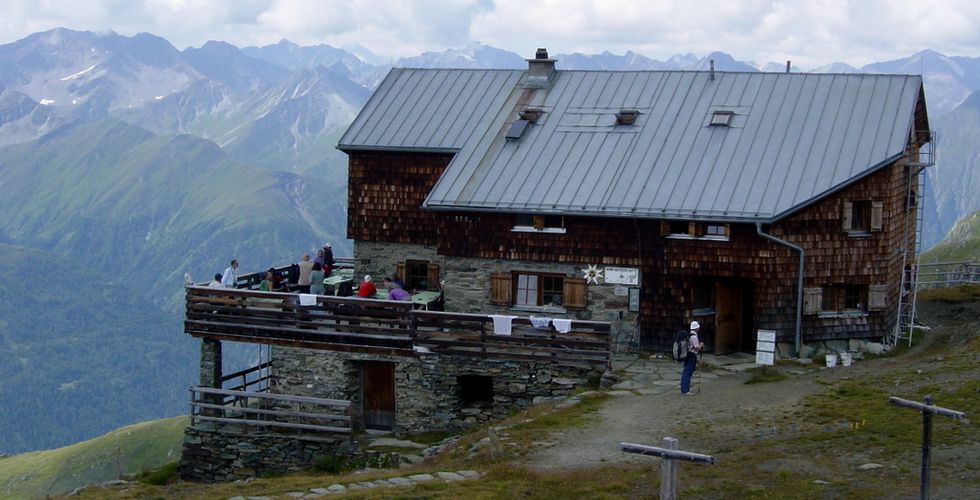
(531, 114)
(516, 130)
(721, 118)
(540, 70)
(627, 116)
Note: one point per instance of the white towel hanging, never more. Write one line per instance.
(501, 324)
(562, 325)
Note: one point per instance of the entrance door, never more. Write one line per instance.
(728, 317)
(379, 395)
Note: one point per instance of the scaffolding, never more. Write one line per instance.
(918, 159)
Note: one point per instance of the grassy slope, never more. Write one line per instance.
(129, 450)
(962, 242)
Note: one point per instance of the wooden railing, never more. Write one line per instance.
(382, 327)
(262, 409)
(261, 380)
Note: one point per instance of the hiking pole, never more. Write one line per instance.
(700, 370)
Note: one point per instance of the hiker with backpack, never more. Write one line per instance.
(686, 349)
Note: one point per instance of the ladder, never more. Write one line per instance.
(911, 249)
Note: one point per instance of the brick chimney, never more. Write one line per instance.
(540, 70)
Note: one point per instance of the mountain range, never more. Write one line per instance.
(125, 163)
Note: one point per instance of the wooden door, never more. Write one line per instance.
(728, 317)
(379, 395)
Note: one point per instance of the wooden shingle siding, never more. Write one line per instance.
(387, 189)
(385, 192)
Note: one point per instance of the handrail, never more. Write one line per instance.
(380, 326)
(208, 408)
(276, 397)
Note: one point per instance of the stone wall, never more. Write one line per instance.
(218, 454)
(468, 284)
(428, 391)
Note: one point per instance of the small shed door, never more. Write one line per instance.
(728, 317)
(379, 395)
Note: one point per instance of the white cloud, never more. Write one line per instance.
(808, 32)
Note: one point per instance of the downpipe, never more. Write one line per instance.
(799, 285)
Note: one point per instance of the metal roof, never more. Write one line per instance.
(794, 138)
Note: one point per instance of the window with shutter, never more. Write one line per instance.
(846, 214)
(876, 215)
(500, 288)
(877, 295)
(812, 300)
(576, 290)
(433, 276)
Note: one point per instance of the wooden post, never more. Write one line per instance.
(927, 410)
(668, 469)
(926, 450)
(668, 473)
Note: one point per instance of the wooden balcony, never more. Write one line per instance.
(383, 327)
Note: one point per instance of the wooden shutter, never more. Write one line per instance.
(812, 300)
(400, 271)
(876, 215)
(539, 222)
(574, 291)
(432, 276)
(846, 214)
(876, 297)
(692, 229)
(664, 228)
(501, 288)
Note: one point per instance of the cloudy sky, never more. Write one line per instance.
(809, 32)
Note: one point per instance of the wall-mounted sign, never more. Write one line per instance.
(765, 347)
(634, 301)
(623, 275)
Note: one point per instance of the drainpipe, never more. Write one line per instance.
(799, 284)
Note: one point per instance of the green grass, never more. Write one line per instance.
(127, 451)
(765, 374)
(950, 295)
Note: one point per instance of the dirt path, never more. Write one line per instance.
(725, 401)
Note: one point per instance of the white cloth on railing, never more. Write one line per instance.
(501, 324)
(540, 323)
(562, 325)
(307, 299)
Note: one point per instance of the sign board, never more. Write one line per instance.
(765, 347)
(623, 275)
(634, 302)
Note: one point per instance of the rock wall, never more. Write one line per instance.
(468, 284)
(429, 392)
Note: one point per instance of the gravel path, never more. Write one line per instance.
(649, 407)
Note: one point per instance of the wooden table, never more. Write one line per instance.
(424, 299)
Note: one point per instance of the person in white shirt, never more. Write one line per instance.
(216, 282)
(230, 277)
(691, 361)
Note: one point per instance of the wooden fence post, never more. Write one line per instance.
(668, 472)
(927, 410)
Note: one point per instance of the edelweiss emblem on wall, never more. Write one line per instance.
(592, 274)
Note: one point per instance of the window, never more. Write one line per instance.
(680, 229)
(538, 290)
(540, 223)
(474, 390)
(721, 118)
(627, 116)
(861, 217)
(704, 298)
(419, 274)
(843, 298)
(526, 289)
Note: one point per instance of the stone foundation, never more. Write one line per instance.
(429, 394)
(219, 455)
(468, 284)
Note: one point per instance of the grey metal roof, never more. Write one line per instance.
(793, 139)
(431, 110)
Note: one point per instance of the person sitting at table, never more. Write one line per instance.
(316, 278)
(269, 283)
(440, 303)
(396, 292)
(366, 289)
(397, 280)
(305, 268)
(216, 282)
